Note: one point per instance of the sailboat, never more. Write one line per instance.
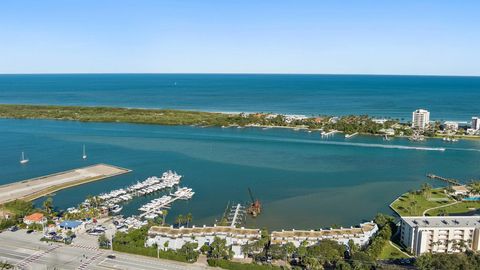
(84, 153)
(23, 160)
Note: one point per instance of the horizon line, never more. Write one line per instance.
(238, 73)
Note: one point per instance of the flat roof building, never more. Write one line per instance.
(359, 235)
(420, 119)
(440, 234)
(475, 123)
(175, 238)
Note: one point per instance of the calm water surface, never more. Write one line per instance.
(303, 180)
(448, 98)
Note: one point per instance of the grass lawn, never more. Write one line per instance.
(413, 204)
(458, 208)
(390, 252)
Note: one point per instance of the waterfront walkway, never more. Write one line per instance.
(37, 187)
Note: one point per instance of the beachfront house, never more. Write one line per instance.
(35, 218)
(359, 235)
(175, 238)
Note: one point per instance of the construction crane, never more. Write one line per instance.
(255, 207)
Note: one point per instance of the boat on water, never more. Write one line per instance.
(151, 216)
(386, 138)
(348, 136)
(116, 209)
(84, 156)
(23, 160)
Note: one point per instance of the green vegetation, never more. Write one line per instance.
(462, 207)
(225, 264)
(347, 124)
(445, 261)
(184, 219)
(433, 202)
(390, 252)
(414, 203)
(218, 250)
(134, 242)
(103, 242)
(5, 265)
(17, 210)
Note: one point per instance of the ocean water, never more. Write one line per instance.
(448, 98)
(303, 181)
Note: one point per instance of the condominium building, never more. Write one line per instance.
(420, 119)
(440, 234)
(360, 235)
(475, 123)
(175, 238)
(450, 125)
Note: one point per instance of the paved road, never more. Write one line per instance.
(34, 187)
(25, 251)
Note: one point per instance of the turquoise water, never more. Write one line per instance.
(303, 181)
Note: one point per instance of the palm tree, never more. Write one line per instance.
(413, 204)
(188, 218)
(164, 215)
(179, 220)
(48, 205)
(426, 189)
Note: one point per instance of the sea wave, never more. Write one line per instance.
(388, 146)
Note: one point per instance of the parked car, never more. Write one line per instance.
(111, 256)
(13, 228)
(29, 231)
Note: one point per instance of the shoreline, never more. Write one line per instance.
(361, 125)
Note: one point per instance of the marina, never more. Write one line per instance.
(156, 206)
(231, 160)
(152, 184)
(237, 215)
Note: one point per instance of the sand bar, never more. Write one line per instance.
(37, 187)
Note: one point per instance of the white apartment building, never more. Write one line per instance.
(420, 119)
(450, 125)
(360, 235)
(475, 123)
(175, 238)
(440, 234)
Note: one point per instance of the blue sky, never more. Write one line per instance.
(262, 36)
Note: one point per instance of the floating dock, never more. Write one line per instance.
(32, 189)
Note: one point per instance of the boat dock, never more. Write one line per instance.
(328, 134)
(448, 180)
(238, 215)
(348, 136)
(32, 189)
(156, 206)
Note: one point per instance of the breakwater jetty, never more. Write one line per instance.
(34, 188)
